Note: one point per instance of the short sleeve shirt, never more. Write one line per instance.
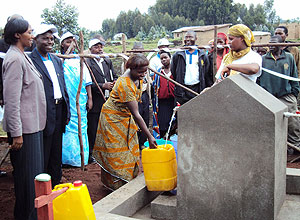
(250, 57)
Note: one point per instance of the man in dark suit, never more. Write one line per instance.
(105, 77)
(58, 108)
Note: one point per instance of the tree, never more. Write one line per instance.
(108, 28)
(1, 31)
(271, 18)
(141, 35)
(63, 16)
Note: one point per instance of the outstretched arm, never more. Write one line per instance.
(133, 107)
(248, 69)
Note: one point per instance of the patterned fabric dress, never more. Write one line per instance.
(116, 147)
(70, 145)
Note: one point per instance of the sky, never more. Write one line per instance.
(92, 12)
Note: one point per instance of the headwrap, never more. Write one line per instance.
(239, 30)
(225, 50)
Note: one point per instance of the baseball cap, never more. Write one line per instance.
(163, 42)
(94, 42)
(67, 35)
(43, 28)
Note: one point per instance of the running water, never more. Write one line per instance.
(170, 123)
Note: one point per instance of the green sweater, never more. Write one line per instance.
(286, 65)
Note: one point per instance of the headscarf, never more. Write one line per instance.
(225, 50)
(225, 39)
(239, 30)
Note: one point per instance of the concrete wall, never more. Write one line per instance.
(231, 153)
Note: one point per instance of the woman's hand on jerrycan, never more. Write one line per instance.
(152, 142)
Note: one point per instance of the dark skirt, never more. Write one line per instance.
(165, 111)
(27, 163)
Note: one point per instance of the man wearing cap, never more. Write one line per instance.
(58, 109)
(155, 61)
(103, 71)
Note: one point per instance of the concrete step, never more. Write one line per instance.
(292, 181)
(164, 207)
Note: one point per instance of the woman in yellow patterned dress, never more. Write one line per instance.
(117, 147)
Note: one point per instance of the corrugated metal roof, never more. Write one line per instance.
(260, 33)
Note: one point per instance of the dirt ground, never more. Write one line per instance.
(91, 177)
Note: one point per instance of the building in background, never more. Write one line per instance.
(294, 30)
(204, 33)
(261, 37)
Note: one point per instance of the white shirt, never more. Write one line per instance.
(192, 68)
(250, 57)
(51, 70)
(106, 92)
(155, 62)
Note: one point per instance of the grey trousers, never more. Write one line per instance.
(293, 122)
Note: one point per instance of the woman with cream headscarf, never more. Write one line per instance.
(241, 58)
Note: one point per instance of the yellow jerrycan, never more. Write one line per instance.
(160, 168)
(74, 204)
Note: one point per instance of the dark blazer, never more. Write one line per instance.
(48, 85)
(98, 100)
(178, 69)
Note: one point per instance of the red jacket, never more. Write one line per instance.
(166, 88)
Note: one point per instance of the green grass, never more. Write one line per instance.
(129, 44)
(2, 133)
(117, 62)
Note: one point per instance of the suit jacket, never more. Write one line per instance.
(3, 48)
(48, 85)
(24, 95)
(108, 74)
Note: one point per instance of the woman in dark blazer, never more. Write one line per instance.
(24, 115)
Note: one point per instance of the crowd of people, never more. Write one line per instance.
(38, 91)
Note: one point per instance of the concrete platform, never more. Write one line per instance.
(164, 207)
(127, 200)
(290, 209)
(293, 181)
(133, 200)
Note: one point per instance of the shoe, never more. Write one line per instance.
(3, 173)
(92, 160)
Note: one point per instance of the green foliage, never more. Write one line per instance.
(108, 28)
(1, 31)
(63, 16)
(157, 32)
(141, 35)
(173, 14)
